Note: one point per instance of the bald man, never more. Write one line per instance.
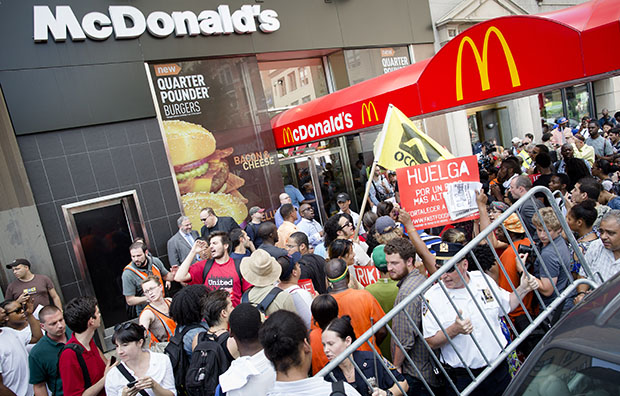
(285, 199)
(360, 305)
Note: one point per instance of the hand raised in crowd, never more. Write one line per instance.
(29, 306)
(404, 218)
(481, 198)
(462, 326)
(496, 192)
(21, 300)
(528, 282)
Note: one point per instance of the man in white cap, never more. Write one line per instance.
(263, 271)
(516, 142)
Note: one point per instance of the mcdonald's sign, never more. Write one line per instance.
(366, 109)
(482, 61)
(287, 135)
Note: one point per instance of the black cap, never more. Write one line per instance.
(343, 197)
(444, 251)
(17, 262)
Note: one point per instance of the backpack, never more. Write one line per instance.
(338, 389)
(209, 361)
(79, 350)
(266, 302)
(209, 264)
(178, 358)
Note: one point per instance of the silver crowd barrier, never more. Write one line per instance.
(492, 362)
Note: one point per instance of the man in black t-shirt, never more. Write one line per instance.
(214, 223)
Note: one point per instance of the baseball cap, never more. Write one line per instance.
(444, 251)
(516, 140)
(17, 262)
(384, 224)
(607, 185)
(378, 258)
(343, 197)
(255, 209)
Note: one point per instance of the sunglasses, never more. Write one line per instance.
(201, 219)
(451, 270)
(123, 326)
(17, 311)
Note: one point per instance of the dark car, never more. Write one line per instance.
(580, 355)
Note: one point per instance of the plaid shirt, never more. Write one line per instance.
(403, 329)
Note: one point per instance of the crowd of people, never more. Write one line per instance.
(259, 309)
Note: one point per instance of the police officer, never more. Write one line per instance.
(469, 321)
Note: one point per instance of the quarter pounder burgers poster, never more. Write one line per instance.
(218, 136)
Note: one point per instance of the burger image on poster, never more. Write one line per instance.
(202, 172)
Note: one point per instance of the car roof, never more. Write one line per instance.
(593, 325)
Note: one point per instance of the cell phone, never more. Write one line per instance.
(132, 384)
(112, 360)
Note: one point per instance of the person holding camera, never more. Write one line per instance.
(140, 372)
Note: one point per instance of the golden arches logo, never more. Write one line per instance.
(366, 107)
(287, 135)
(482, 61)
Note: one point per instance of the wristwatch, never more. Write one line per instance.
(388, 393)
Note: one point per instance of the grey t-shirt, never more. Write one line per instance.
(557, 267)
(601, 146)
(132, 282)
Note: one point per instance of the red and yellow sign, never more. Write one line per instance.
(422, 187)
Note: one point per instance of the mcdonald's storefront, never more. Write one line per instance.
(115, 119)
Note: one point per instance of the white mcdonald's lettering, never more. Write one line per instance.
(328, 126)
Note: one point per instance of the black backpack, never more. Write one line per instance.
(338, 389)
(79, 350)
(209, 361)
(178, 358)
(263, 305)
(209, 264)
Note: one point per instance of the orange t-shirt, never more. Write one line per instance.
(319, 360)
(360, 305)
(509, 260)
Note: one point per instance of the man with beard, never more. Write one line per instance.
(142, 265)
(219, 272)
(508, 170)
(400, 257)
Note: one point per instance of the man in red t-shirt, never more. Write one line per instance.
(83, 317)
(223, 273)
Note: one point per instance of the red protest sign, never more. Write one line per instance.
(307, 285)
(366, 275)
(422, 186)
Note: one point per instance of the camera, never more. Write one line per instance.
(525, 249)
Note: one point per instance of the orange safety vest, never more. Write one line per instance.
(143, 275)
(169, 324)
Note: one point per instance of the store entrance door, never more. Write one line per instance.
(320, 175)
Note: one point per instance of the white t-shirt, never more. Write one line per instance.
(14, 363)
(248, 376)
(314, 386)
(160, 370)
(303, 300)
(441, 306)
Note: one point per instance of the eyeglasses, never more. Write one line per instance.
(347, 224)
(451, 270)
(17, 311)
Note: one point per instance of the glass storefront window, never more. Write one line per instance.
(350, 67)
(573, 103)
(289, 83)
(578, 101)
(551, 106)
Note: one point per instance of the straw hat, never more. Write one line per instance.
(260, 269)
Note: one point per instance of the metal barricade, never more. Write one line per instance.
(492, 362)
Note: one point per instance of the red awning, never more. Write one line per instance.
(491, 61)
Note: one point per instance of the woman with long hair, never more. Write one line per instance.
(139, 369)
